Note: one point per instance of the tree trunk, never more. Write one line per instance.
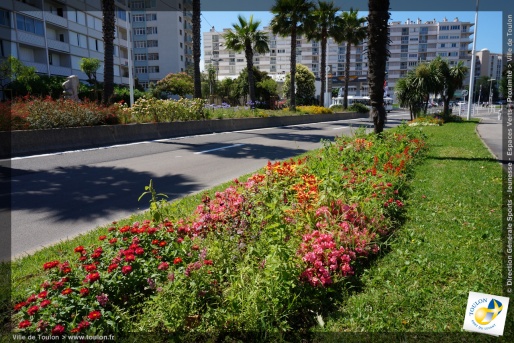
(347, 75)
(323, 72)
(108, 28)
(196, 49)
(378, 38)
(292, 93)
(249, 66)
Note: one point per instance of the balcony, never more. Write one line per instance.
(28, 9)
(58, 70)
(30, 39)
(40, 67)
(55, 19)
(58, 45)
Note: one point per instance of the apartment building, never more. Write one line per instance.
(54, 35)
(488, 64)
(412, 42)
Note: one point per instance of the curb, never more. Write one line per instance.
(23, 143)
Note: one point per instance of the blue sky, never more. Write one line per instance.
(489, 23)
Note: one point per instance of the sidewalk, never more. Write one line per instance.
(490, 130)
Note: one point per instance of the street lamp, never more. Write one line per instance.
(473, 58)
(490, 91)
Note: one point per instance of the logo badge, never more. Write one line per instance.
(486, 313)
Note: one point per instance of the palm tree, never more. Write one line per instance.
(108, 27)
(427, 79)
(408, 95)
(320, 25)
(246, 37)
(378, 40)
(289, 18)
(353, 32)
(196, 49)
(452, 79)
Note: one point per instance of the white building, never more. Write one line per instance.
(54, 35)
(488, 64)
(412, 42)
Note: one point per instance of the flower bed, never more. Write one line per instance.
(260, 255)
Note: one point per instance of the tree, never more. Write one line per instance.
(306, 89)
(453, 79)
(11, 70)
(428, 79)
(378, 39)
(352, 31)
(108, 27)
(246, 37)
(408, 95)
(179, 84)
(196, 49)
(289, 18)
(90, 66)
(320, 25)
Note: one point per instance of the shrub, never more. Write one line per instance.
(359, 108)
(151, 109)
(313, 109)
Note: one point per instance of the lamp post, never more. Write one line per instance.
(491, 91)
(473, 58)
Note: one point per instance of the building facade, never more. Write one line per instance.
(54, 35)
(488, 64)
(412, 42)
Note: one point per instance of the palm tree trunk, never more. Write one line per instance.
(323, 71)
(378, 38)
(292, 94)
(347, 74)
(108, 28)
(249, 66)
(196, 49)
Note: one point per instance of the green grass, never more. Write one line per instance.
(450, 244)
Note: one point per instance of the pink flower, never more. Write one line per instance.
(163, 266)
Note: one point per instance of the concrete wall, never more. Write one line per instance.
(22, 143)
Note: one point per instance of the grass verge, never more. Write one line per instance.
(449, 245)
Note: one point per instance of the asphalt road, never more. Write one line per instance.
(59, 196)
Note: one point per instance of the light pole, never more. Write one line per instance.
(491, 91)
(473, 58)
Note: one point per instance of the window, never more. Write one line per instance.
(153, 69)
(138, 31)
(153, 56)
(120, 13)
(281, 51)
(153, 43)
(5, 18)
(139, 44)
(413, 55)
(453, 54)
(455, 27)
(77, 39)
(455, 37)
(151, 17)
(454, 45)
(444, 28)
(139, 5)
(181, 58)
(138, 17)
(141, 70)
(28, 24)
(443, 37)
(242, 60)
(180, 32)
(442, 45)
(151, 30)
(140, 57)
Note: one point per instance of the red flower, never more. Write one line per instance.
(42, 295)
(126, 269)
(82, 258)
(102, 237)
(94, 315)
(140, 251)
(58, 329)
(84, 291)
(155, 241)
(163, 266)
(90, 267)
(67, 291)
(32, 298)
(32, 310)
(79, 249)
(19, 306)
(112, 267)
(24, 324)
(130, 258)
(50, 265)
(112, 241)
(45, 303)
(195, 247)
(162, 244)
(177, 260)
(96, 254)
(208, 262)
(92, 277)
(84, 324)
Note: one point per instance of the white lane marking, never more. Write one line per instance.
(222, 148)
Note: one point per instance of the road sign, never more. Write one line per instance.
(465, 92)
